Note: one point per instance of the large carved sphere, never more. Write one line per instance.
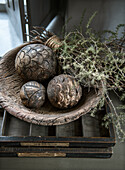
(32, 94)
(64, 91)
(36, 62)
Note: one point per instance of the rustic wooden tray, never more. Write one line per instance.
(84, 137)
(10, 85)
(56, 152)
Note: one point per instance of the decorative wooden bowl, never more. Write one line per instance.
(10, 85)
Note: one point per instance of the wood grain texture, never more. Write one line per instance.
(15, 127)
(90, 126)
(53, 42)
(10, 84)
(64, 91)
(56, 152)
(71, 129)
(74, 134)
(36, 62)
(1, 120)
(33, 94)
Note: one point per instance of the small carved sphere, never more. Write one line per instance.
(64, 91)
(32, 94)
(36, 62)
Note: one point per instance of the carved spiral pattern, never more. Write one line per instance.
(36, 62)
(63, 91)
(33, 94)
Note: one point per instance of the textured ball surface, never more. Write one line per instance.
(32, 94)
(36, 62)
(63, 91)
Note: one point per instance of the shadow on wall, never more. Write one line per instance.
(110, 13)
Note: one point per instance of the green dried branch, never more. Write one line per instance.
(98, 62)
(90, 20)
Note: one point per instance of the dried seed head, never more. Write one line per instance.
(53, 42)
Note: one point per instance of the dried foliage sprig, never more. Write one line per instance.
(99, 62)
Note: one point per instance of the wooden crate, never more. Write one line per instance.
(84, 137)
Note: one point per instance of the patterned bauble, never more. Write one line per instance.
(32, 94)
(36, 62)
(64, 91)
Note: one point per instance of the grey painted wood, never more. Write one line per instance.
(3, 125)
(30, 129)
(16, 127)
(1, 119)
(90, 126)
(39, 130)
(69, 129)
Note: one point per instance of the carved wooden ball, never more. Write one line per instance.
(64, 91)
(36, 62)
(32, 94)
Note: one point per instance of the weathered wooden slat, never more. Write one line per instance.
(56, 152)
(70, 129)
(16, 127)
(53, 139)
(3, 125)
(90, 126)
(69, 155)
(30, 129)
(61, 144)
(66, 150)
(1, 119)
(39, 130)
(54, 134)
